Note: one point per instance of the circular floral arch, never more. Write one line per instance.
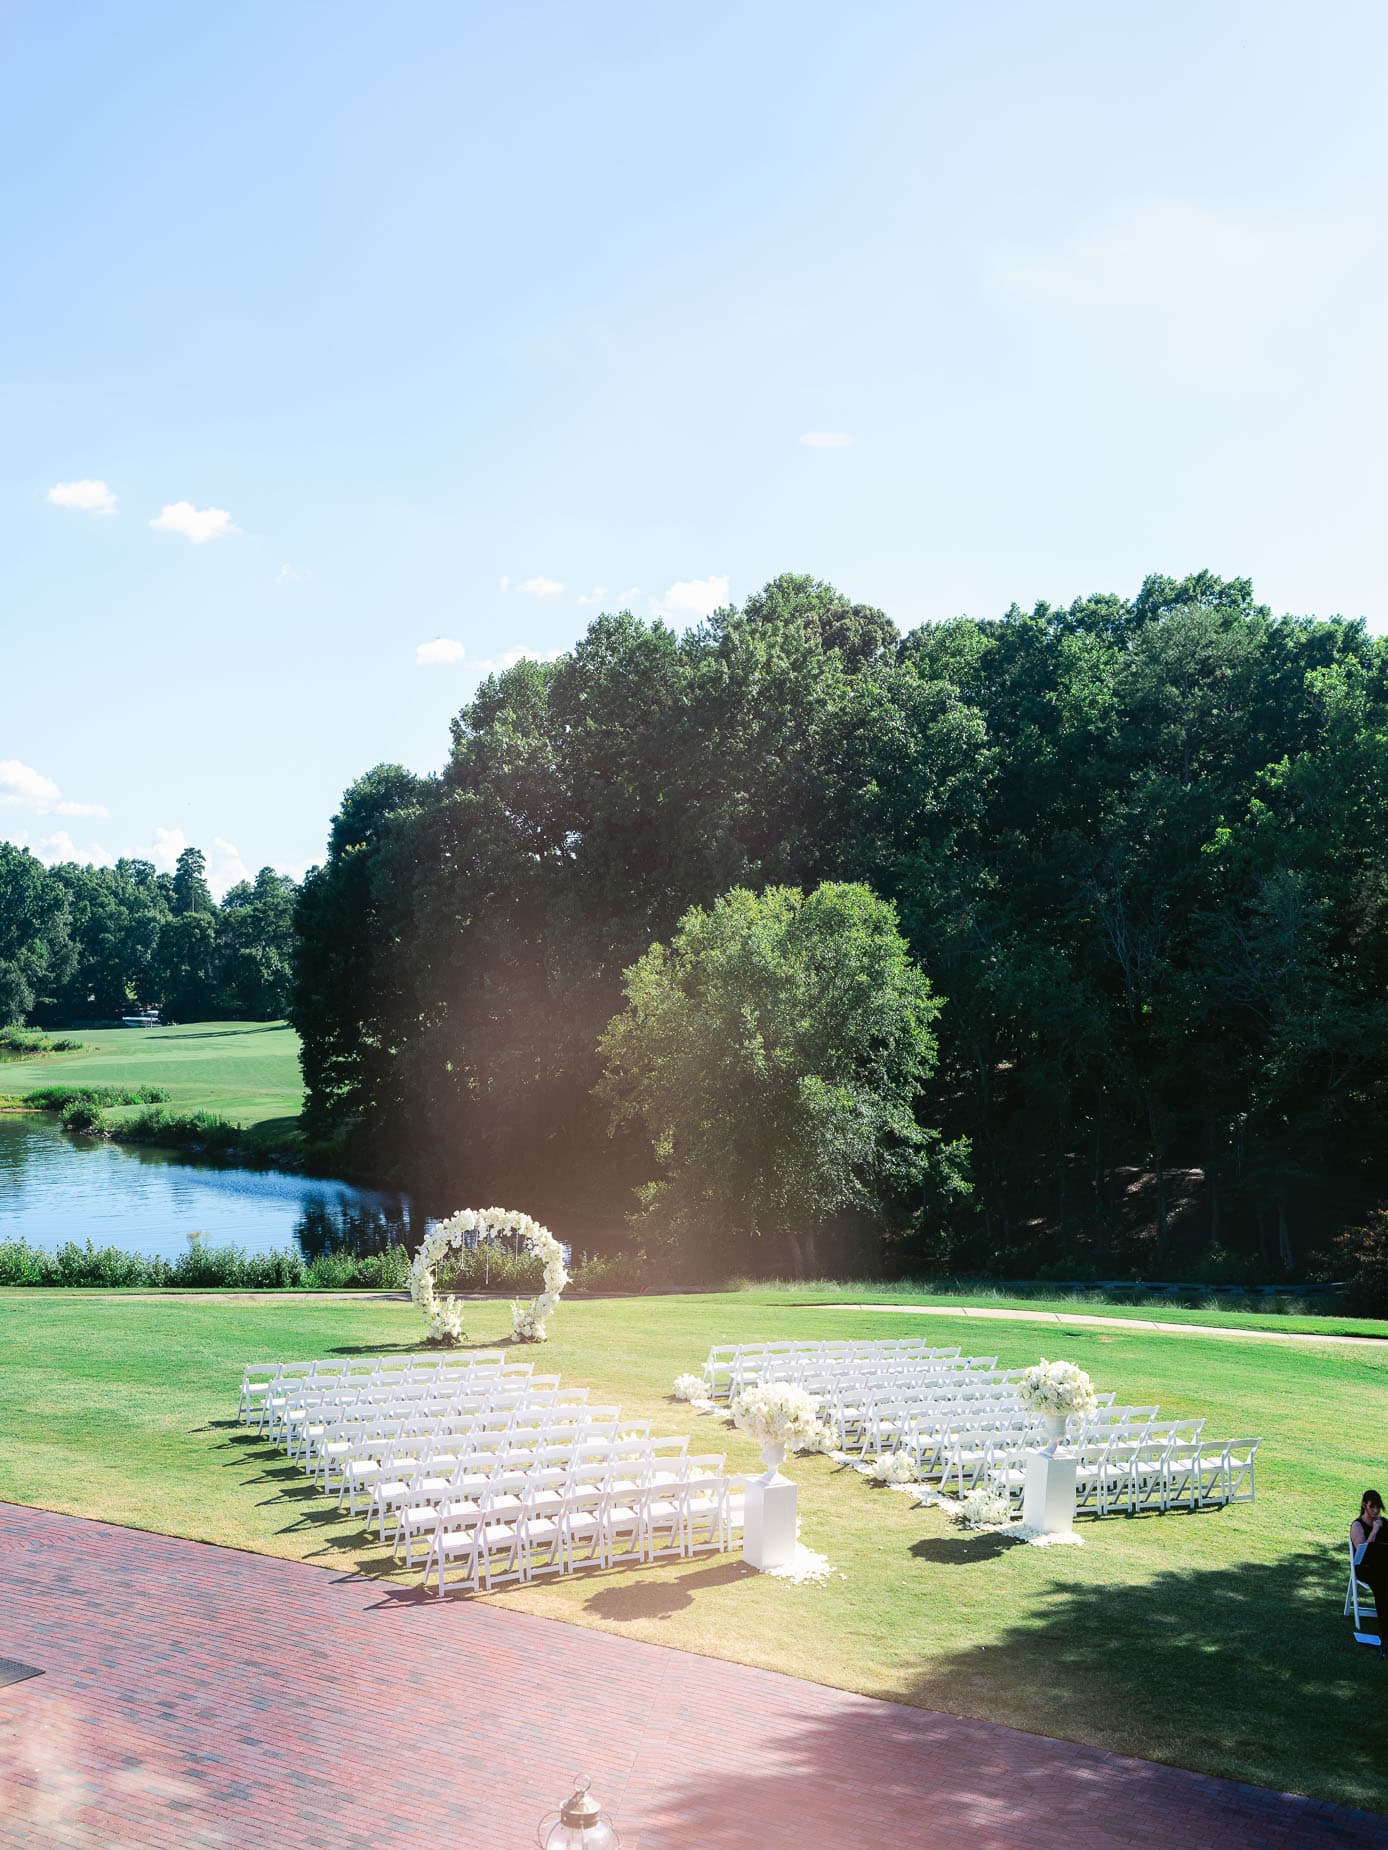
(445, 1314)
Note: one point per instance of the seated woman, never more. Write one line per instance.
(1369, 1532)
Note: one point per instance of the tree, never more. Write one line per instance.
(774, 1054)
(255, 947)
(185, 967)
(35, 950)
(191, 892)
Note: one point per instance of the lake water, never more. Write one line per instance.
(55, 1188)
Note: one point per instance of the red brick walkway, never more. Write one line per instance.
(192, 1696)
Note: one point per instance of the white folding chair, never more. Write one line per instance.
(1359, 1600)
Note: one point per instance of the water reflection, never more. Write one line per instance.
(356, 1227)
(55, 1188)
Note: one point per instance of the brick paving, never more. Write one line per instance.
(194, 1696)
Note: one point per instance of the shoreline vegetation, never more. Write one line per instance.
(484, 1272)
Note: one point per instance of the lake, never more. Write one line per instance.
(55, 1188)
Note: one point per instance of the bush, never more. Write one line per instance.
(58, 1098)
(83, 1114)
(612, 1272)
(204, 1131)
(201, 1268)
(23, 1043)
(1363, 1252)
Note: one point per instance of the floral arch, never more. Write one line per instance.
(445, 1314)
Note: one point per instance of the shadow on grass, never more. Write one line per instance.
(660, 1599)
(961, 1550)
(1241, 1670)
(1247, 1670)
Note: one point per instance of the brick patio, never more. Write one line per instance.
(196, 1696)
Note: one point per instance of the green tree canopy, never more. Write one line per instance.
(773, 1055)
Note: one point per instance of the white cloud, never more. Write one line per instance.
(541, 587)
(21, 783)
(498, 664)
(504, 582)
(168, 845)
(225, 868)
(691, 598)
(827, 440)
(595, 596)
(288, 575)
(90, 497)
(61, 847)
(198, 524)
(439, 653)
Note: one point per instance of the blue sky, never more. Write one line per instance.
(446, 324)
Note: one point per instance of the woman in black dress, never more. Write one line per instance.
(1370, 1532)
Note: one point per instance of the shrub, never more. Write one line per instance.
(1363, 1252)
(58, 1098)
(23, 1043)
(611, 1272)
(204, 1131)
(201, 1268)
(82, 1115)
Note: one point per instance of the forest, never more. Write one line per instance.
(1136, 847)
(89, 944)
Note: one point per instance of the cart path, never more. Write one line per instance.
(197, 1696)
(1108, 1323)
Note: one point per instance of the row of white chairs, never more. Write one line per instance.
(731, 1367)
(499, 1473)
(556, 1466)
(483, 1546)
(261, 1381)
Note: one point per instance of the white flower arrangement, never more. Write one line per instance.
(1058, 1388)
(777, 1413)
(445, 1315)
(688, 1387)
(893, 1468)
(986, 1507)
(823, 1440)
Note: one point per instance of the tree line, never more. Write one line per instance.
(1137, 846)
(90, 944)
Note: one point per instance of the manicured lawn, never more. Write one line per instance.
(1213, 1641)
(1151, 1310)
(247, 1071)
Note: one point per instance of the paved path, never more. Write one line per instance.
(1068, 1317)
(194, 1696)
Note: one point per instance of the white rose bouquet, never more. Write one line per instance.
(986, 1507)
(689, 1387)
(777, 1413)
(893, 1468)
(1058, 1388)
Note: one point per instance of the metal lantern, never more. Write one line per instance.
(578, 1825)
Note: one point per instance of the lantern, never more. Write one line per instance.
(578, 1825)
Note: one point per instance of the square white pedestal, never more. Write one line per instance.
(1048, 1504)
(768, 1523)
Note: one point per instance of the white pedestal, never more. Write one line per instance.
(1049, 1502)
(768, 1523)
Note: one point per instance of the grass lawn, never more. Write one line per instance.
(821, 1292)
(247, 1071)
(1212, 1641)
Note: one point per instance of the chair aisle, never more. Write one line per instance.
(488, 1472)
(961, 1422)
